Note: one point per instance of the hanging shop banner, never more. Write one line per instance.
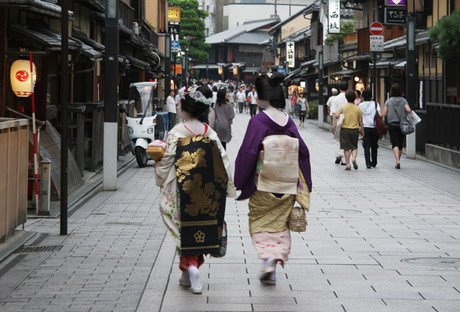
(334, 16)
(290, 54)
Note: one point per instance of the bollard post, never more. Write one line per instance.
(45, 184)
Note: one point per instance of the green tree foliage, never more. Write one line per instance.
(345, 28)
(192, 25)
(447, 33)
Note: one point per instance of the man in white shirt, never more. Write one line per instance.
(336, 102)
(241, 99)
(171, 109)
(253, 106)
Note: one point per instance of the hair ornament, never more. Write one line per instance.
(198, 96)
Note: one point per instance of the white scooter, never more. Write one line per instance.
(144, 123)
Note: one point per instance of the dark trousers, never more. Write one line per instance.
(171, 120)
(240, 107)
(370, 145)
(253, 109)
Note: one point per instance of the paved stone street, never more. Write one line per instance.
(378, 240)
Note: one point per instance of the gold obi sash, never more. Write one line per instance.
(278, 165)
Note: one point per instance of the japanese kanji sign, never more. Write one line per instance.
(290, 54)
(395, 16)
(333, 15)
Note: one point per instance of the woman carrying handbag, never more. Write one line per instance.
(396, 108)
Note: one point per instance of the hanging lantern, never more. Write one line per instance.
(235, 71)
(20, 77)
(220, 71)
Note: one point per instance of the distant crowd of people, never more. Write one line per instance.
(358, 112)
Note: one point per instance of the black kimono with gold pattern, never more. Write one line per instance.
(202, 183)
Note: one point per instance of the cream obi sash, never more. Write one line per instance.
(278, 165)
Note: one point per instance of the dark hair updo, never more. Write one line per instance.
(196, 108)
(269, 88)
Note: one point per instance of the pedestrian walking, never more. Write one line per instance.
(304, 108)
(269, 209)
(371, 138)
(194, 215)
(338, 101)
(241, 99)
(171, 108)
(396, 107)
(253, 97)
(351, 128)
(224, 117)
(293, 102)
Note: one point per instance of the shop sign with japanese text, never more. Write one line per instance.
(174, 14)
(333, 16)
(290, 54)
(395, 16)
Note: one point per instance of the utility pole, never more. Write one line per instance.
(111, 96)
(64, 97)
(320, 87)
(411, 79)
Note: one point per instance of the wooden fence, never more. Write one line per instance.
(14, 155)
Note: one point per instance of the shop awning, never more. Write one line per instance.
(254, 70)
(140, 64)
(345, 73)
(37, 6)
(41, 38)
(203, 66)
(80, 35)
(385, 63)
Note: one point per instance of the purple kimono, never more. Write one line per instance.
(260, 126)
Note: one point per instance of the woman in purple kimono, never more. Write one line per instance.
(270, 202)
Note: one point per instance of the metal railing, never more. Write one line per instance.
(442, 125)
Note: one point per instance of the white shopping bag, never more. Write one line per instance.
(413, 118)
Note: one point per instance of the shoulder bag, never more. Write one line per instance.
(341, 119)
(379, 125)
(404, 124)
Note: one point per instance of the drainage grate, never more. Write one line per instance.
(30, 249)
(434, 261)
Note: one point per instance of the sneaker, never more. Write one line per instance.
(355, 165)
(343, 163)
(368, 166)
(337, 160)
(348, 168)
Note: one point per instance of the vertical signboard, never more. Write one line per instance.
(174, 14)
(333, 15)
(290, 54)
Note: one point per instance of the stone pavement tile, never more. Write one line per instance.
(362, 304)
(274, 300)
(319, 301)
(410, 305)
(444, 305)
(438, 293)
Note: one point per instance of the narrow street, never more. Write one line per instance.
(378, 240)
